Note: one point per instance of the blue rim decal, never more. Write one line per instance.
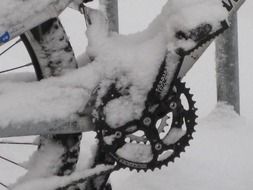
(5, 37)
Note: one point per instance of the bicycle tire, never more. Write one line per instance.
(38, 42)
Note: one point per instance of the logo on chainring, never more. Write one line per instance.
(5, 37)
(129, 163)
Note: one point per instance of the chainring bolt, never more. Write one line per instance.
(173, 105)
(147, 121)
(158, 146)
(118, 134)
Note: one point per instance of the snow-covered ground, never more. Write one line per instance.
(219, 158)
(220, 154)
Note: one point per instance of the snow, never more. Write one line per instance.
(51, 183)
(131, 60)
(63, 102)
(16, 16)
(135, 152)
(49, 154)
(173, 136)
(20, 8)
(220, 156)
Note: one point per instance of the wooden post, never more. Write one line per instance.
(110, 8)
(227, 66)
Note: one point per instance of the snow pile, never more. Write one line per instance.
(223, 115)
(219, 157)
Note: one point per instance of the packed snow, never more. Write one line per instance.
(219, 156)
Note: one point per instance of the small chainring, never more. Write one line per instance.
(154, 140)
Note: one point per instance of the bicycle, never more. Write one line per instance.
(147, 127)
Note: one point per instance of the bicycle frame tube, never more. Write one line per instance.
(67, 126)
(15, 19)
(231, 6)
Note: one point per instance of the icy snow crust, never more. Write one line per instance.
(132, 60)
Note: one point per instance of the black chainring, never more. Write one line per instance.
(166, 125)
(154, 140)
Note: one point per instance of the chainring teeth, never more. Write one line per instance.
(188, 120)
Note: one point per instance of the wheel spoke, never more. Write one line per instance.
(2, 184)
(18, 41)
(16, 68)
(18, 143)
(15, 163)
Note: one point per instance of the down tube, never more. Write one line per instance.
(15, 21)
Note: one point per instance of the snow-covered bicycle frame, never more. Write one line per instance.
(14, 21)
(232, 6)
(51, 9)
(17, 24)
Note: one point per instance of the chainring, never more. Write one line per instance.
(167, 123)
(154, 141)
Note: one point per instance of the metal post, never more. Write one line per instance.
(227, 66)
(110, 8)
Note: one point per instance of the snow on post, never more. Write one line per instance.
(110, 8)
(227, 66)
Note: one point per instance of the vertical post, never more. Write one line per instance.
(110, 8)
(227, 66)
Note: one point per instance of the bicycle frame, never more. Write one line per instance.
(68, 126)
(78, 124)
(232, 6)
(10, 30)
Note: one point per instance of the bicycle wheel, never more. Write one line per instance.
(52, 55)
